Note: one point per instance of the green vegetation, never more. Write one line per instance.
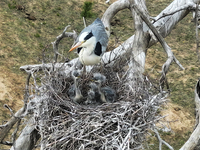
(12, 4)
(87, 7)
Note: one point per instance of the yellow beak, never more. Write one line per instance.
(76, 46)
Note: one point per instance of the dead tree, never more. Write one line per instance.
(61, 124)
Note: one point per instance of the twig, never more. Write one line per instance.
(6, 143)
(84, 22)
(17, 116)
(59, 38)
(161, 141)
(11, 111)
(13, 136)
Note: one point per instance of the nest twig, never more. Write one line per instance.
(64, 124)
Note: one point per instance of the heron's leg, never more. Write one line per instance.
(101, 67)
(84, 72)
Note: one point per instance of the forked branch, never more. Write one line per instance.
(159, 37)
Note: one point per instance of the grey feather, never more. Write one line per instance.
(98, 30)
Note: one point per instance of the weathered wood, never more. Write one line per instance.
(195, 136)
(28, 138)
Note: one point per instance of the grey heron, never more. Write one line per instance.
(91, 43)
(92, 94)
(98, 93)
(74, 91)
(109, 93)
(100, 79)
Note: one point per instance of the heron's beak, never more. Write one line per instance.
(76, 46)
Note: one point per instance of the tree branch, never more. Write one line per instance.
(59, 38)
(161, 141)
(17, 116)
(194, 138)
(190, 5)
(167, 49)
(28, 138)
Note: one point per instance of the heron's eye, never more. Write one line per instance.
(88, 36)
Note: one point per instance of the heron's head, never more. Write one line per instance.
(99, 78)
(85, 39)
(75, 74)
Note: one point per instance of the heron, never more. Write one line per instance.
(109, 93)
(92, 94)
(100, 79)
(91, 43)
(74, 91)
(98, 93)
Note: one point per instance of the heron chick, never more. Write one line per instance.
(109, 93)
(91, 43)
(74, 91)
(100, 79)
(92, 94)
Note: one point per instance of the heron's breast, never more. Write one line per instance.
(87, 58)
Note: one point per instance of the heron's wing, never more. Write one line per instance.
(99, 32)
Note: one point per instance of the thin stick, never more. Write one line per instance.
(84, 22)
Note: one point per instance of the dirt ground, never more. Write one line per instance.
(177, 118)
(11, 93)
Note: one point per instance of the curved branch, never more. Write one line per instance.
(59, 38)
(194, 138)
(4, 129)
(111, 11)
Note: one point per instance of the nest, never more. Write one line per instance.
(65, 125)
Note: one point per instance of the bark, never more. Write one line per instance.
(28, 138)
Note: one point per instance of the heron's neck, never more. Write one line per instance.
(76, 87)
(90, 45)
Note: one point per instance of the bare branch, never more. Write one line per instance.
(167, 49)
(161, 141)
(194, 138)
(111, 11)
(190, 5)
(17, 116)
(84, 22)
(11, 111)
(6, 143)
(59, 38)
(13, 137)
(27, 138)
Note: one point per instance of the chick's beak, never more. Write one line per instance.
(76, 46)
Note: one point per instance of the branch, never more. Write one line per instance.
(161, 141)
(6, 143)
(184, 7)
(28, 138)
(59, 38)
(111, 11)
(17, 116)
(194, 138)
(167, 49)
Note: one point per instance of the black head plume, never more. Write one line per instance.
(88, 36)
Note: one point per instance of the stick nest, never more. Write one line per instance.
(65, 125)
